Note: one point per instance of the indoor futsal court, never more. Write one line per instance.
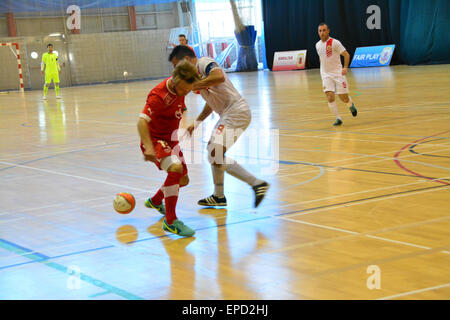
(358, 211)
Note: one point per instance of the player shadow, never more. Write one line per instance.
(212, 211)
(227, 264)
(182, 262)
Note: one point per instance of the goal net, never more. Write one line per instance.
(11, 67)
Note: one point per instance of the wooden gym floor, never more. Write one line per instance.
(348, 206)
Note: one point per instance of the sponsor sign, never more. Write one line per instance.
(289, 60)
(379, 56)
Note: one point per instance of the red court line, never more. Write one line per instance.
(412, 172)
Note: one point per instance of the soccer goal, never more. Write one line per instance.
(14, 47)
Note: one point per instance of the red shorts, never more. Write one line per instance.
(165, 149)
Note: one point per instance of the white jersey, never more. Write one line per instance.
(223, 96)
(330, 57)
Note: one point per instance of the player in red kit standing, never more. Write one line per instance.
(333, 75)
(157, 126)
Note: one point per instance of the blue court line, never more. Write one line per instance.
(288, 162)
(99, 294)
(38, 257)
(237, 222)
(321, 166)
(411, 148)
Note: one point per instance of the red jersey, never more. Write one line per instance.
(163, 112)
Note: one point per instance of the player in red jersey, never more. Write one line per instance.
(157, 126)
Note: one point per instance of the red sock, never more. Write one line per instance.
(171, 188)
(158, 197)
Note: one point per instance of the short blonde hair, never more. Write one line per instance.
(185, 71)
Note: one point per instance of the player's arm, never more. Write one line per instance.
(146, 139)
(57, 64)
(214, 78)
(346, 56)
(42, 65)
(202, 116)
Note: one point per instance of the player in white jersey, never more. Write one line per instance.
(333, 75)
(235, 116)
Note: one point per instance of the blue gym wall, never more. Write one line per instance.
(418, 28)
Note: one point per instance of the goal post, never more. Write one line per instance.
(15, 45)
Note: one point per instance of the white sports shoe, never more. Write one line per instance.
(58, 97)
(44, 98)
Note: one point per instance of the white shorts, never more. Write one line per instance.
(338, 85)
(232, 123)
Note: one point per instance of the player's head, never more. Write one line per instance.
(183, 77)
(324, 31)
(182, 40)
(50, 47)
(182, 53)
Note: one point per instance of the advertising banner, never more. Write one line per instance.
(289, 60)
(379, 56)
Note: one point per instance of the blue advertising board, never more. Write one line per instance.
(379, 56)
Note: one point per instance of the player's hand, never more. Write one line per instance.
(344, 71)
(60, 71)
(42, 72)
(190, 129)
(150, 155)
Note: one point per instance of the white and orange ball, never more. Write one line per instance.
(124, 203)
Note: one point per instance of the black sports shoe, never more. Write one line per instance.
(260, 192)
(213, 201)
(353, 110)
(338, 122)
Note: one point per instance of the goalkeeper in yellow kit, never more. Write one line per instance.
(52, 70)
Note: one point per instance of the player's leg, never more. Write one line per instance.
(342, 91)
(48, 80)
(56, 81)
(57, 90)
(218, 173)
(44, 96)
(329, 88)
(156, 202)
(171, 189)
(163, 150)
(260, 187)
(224, 139)
(333, 107)
(239, 123)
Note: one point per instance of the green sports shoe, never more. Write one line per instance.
(178, 228)
(161, 208)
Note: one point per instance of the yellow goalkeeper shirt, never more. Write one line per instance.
(50, 60)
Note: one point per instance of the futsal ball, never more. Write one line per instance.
(124, 203)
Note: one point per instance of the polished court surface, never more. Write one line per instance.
(360, 211)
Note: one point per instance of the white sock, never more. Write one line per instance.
(237, 171)
(218, 178)
(334, 109)
(350, 102)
